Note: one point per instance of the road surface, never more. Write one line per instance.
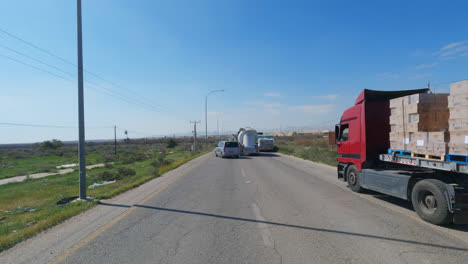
(265, 209)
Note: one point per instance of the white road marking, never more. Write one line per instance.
(266, 234)
(248, 182)
(243, 173)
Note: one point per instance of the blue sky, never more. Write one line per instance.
(289, 64)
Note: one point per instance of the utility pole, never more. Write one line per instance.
(194, 133)
(206, 111)
(81, 127)
(115, 140)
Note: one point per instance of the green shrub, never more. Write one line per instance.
(107, 176)
(171, 143)
(107, 158)
(21, 172)
(125, 172)
(160, 161)
(46, 168)
(132, 157)
(54, 144)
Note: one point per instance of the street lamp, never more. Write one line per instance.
(206, 111)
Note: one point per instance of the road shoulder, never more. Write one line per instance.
(51, 243)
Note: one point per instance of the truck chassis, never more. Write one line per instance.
(437, 189)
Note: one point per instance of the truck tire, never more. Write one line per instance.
(352, 177)
(430, 202)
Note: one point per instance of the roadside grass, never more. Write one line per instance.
(314, 148)
(29, 207)
(23, 166)
(14, 166)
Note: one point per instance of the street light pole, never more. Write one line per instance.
(206, 111)
(81, 127)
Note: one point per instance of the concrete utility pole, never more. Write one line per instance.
(115, 140)
(81, 126)
(206, 111)
(195, 133)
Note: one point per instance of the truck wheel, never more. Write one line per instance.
(352, 176)
(430, 203)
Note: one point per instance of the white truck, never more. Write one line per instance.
(247, 138)
(266, 143)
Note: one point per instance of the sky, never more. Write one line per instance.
(282, 64)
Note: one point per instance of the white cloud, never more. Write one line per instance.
(453, 49)
(272, 94)
(417, 53)
(325, 96)
(452, 45)
(388, 76)
(263, 103)
(272, 111)
(314, 109)
(416, 76)
(428, 65)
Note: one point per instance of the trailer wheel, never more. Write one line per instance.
(352, 176)
(430, 203)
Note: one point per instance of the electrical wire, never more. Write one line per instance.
(34, 125)
(119, 96)
(37, 68)
(51, 126)
(71, 63)
(41, 62)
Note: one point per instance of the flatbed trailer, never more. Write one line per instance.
(426, 163)
(437, 188)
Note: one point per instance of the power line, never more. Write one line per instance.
(37, 68)
(120, 96)
(67, 61)
(50, 126)
(118, 85)
(132, 100)
(34, 125)
(34, 46)
(133, 131)
(29, 57)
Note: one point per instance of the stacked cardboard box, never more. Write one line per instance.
(458, 122)
(418, 123)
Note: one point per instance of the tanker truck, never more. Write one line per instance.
(247, 138)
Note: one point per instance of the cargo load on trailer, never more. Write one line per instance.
(458, 122)
(419, 123)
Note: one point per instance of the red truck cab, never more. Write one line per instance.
(363, 132)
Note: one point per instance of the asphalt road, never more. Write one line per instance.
(265, 209)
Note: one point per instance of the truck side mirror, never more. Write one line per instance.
(337, 135)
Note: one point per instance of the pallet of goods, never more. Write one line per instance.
(458, 122)
(419, 124)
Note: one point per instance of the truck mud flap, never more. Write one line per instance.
(341, 169)
(460, 217)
